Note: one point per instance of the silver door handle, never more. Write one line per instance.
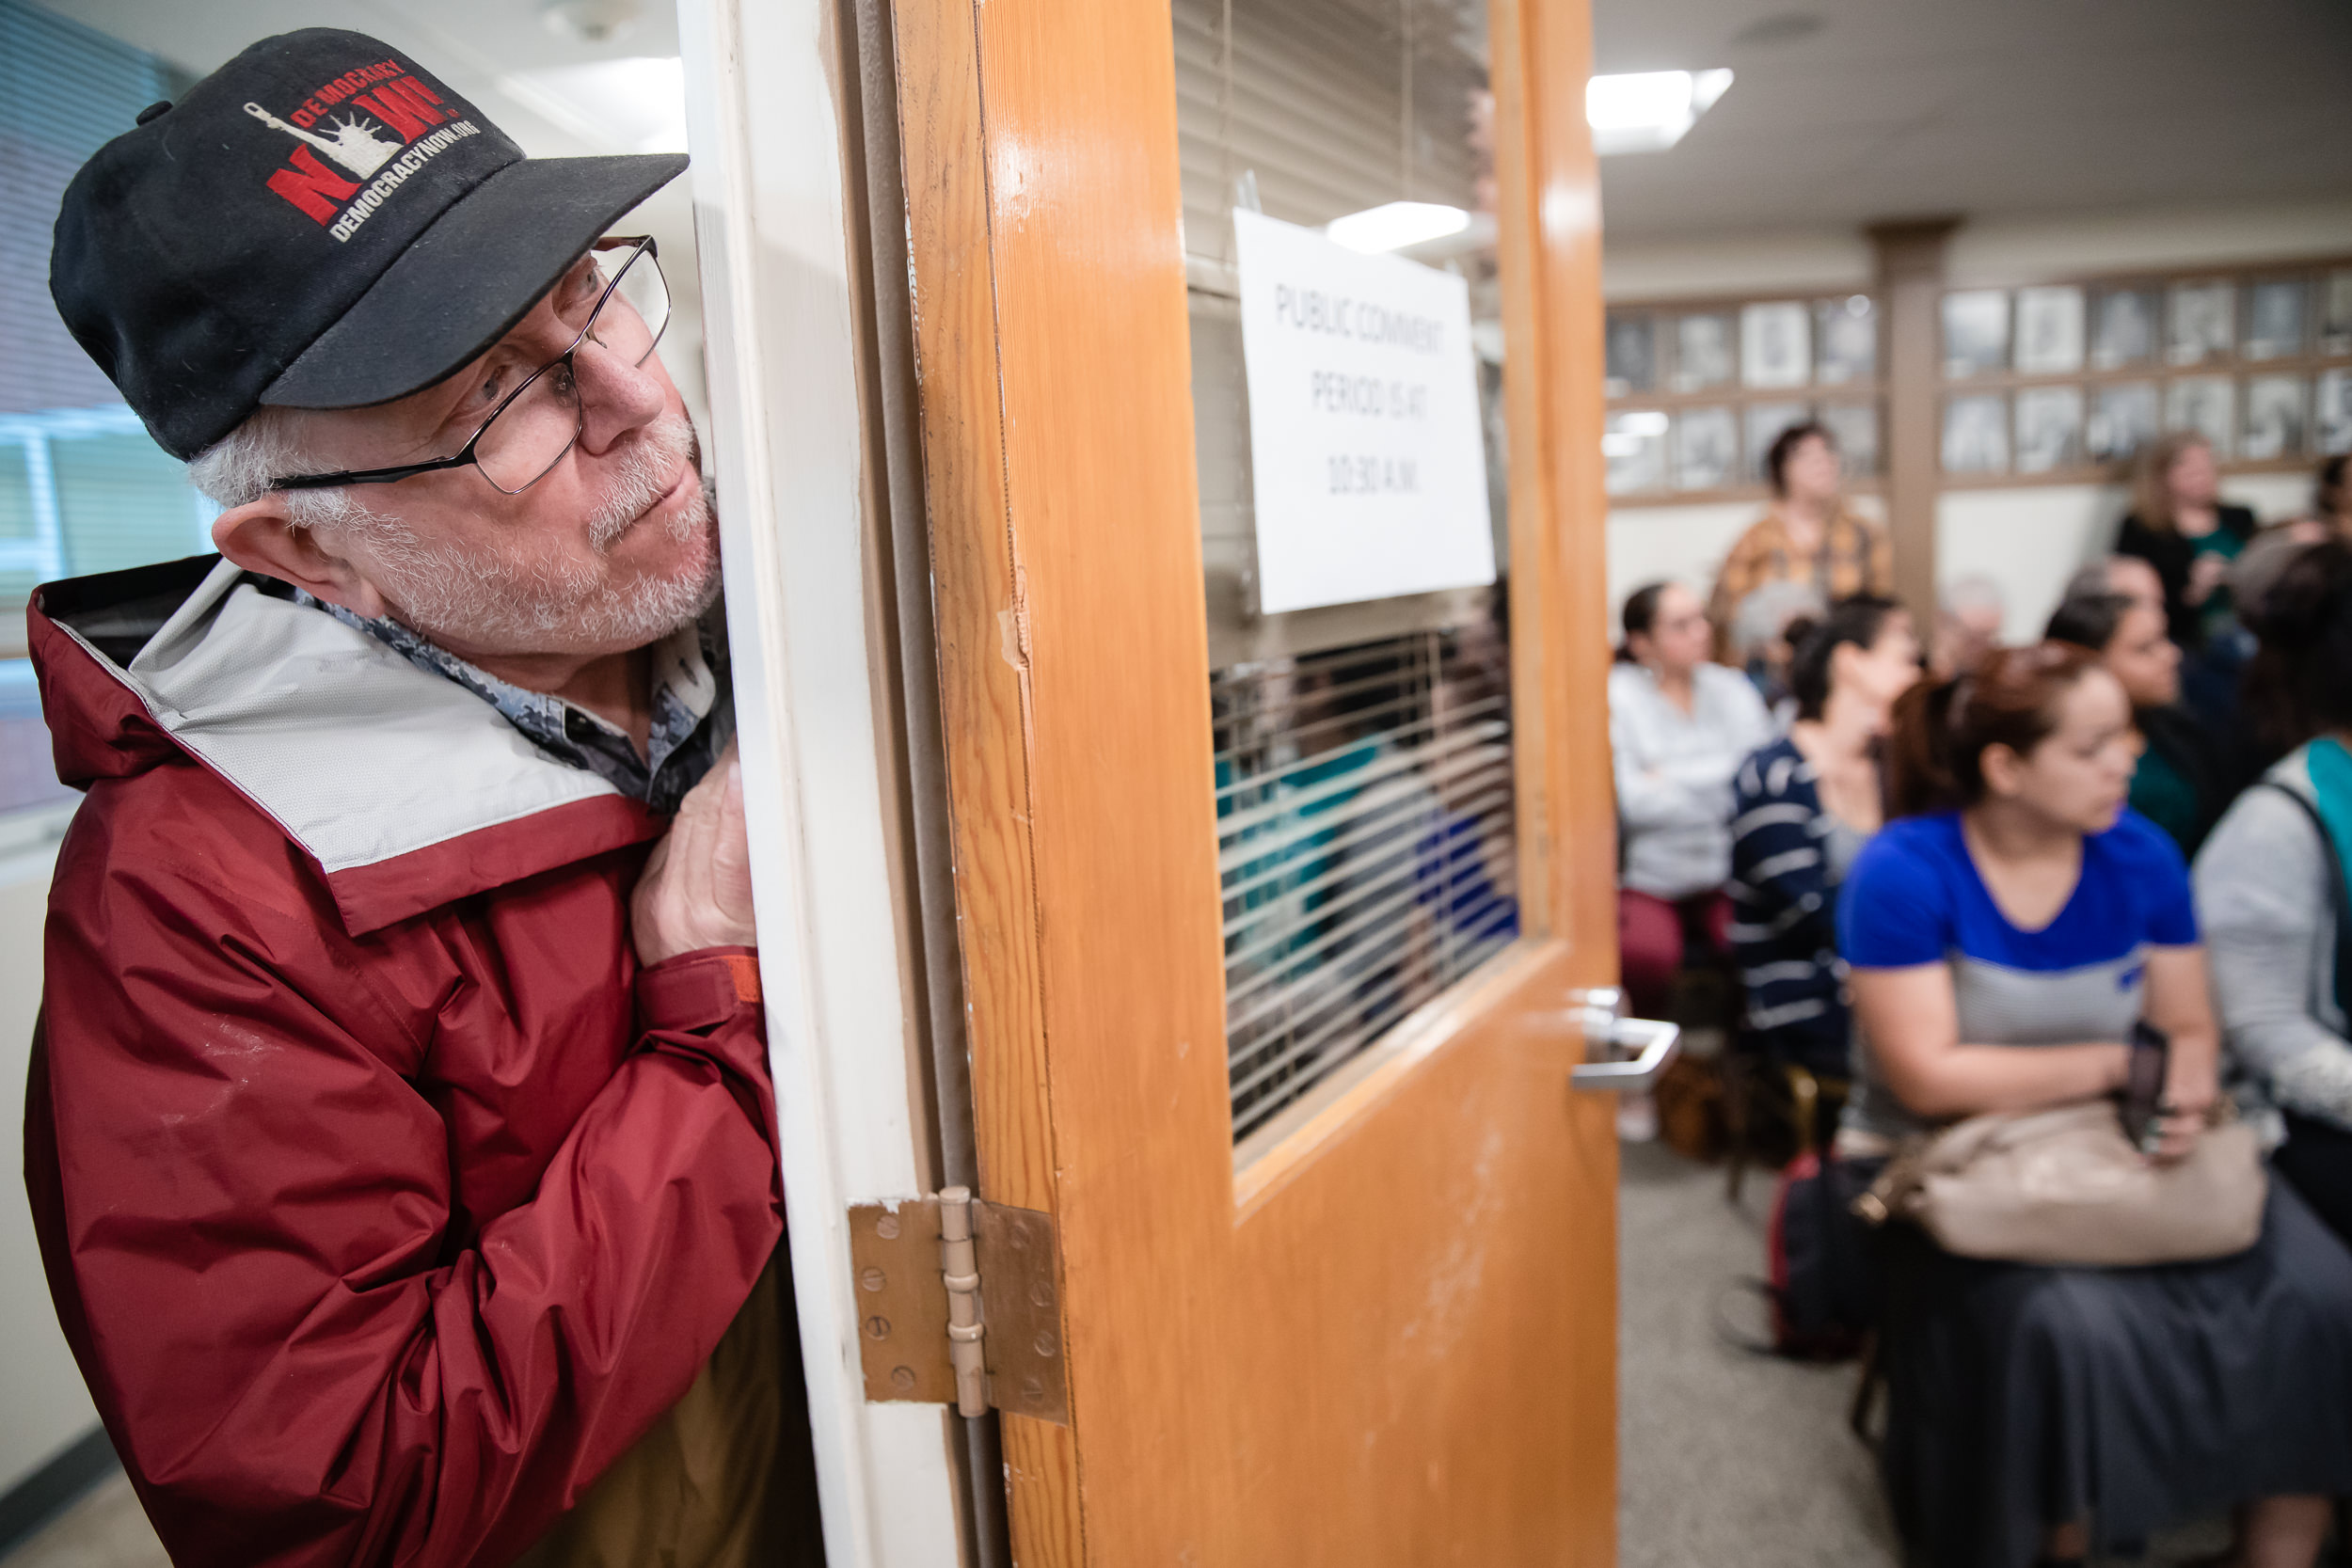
(1654, 1043)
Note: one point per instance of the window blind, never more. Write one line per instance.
(1317, 109)
(1366, 851)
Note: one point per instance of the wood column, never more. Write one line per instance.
(1909, 257)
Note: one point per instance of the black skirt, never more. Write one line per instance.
(2020, 1398)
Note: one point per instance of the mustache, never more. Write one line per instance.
(640, 476)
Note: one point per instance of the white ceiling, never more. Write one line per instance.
(1893, 108)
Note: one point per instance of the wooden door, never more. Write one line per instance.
(1391, 1338)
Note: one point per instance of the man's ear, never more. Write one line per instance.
(260, 537)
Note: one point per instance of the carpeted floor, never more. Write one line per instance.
(1728, 1459)
(1725, 1457)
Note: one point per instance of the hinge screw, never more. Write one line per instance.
(873, 1279)
(902, 1378)
(1046, 1344)
(887, 1226)
(878, 1328)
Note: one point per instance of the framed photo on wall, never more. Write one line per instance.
(2335, 320)
(1702, 352)
(2204, 403)
(1775, 345)
(2332, 412)
(2124, 330)
(2048, 379)
(2274, 418)
(1976, 435)
(1855, 426)
(2124, 418)
(2049, 333)
(1976, 332)
(2274, 319)
(2049, 429)
(1631, 353)
(1633, 445)
(1845, 335)
(1707, 450)
(2202, 327)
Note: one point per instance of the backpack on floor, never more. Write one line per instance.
(1822, 1296)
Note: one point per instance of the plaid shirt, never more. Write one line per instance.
(1856, 557)
(693, 707)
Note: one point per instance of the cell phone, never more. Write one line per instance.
(2142, 1107)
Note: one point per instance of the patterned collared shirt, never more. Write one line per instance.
(1855, 556)
(693, 707)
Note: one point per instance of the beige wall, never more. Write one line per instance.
(40, 1390)
(2028, 540)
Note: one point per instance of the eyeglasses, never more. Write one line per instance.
(532, 426)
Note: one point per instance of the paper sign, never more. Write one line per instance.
(1366, 442)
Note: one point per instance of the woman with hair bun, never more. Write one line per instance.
(2271, 883)
(1802, 808)
(2004, 934)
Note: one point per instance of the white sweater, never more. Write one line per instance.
(1673, 774)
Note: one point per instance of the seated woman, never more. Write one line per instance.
(2178, 785)
(1801, 809)
(2271, 891)
(1679, 727)
(2005, 932)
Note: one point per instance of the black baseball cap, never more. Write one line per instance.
(320, 223)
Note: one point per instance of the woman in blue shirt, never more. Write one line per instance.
(2003, 936)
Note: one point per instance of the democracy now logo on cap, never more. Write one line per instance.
(320, 223)
(399, 104)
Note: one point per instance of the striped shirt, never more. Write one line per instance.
(1788, 855)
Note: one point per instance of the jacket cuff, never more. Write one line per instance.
(698, 990)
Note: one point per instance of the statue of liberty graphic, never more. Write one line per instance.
(354, 145)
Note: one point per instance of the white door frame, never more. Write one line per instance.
(773, 222)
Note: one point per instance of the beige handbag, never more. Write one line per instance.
(2065, 1187)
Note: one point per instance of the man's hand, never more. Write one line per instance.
(696, 890)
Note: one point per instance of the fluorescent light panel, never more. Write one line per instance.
(1648, 111)
(1397, 224)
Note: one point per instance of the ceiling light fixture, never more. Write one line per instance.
(1397, 224)
(1648, 111)
(590, 21)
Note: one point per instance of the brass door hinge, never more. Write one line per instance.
(956, 1305)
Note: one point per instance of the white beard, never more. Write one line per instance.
(554, 603)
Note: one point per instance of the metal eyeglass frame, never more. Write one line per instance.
(641, 246)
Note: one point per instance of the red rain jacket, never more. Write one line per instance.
(385, 1200)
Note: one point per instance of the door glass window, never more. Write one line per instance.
(1363, 772)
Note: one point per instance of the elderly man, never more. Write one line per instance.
(400, 1139)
